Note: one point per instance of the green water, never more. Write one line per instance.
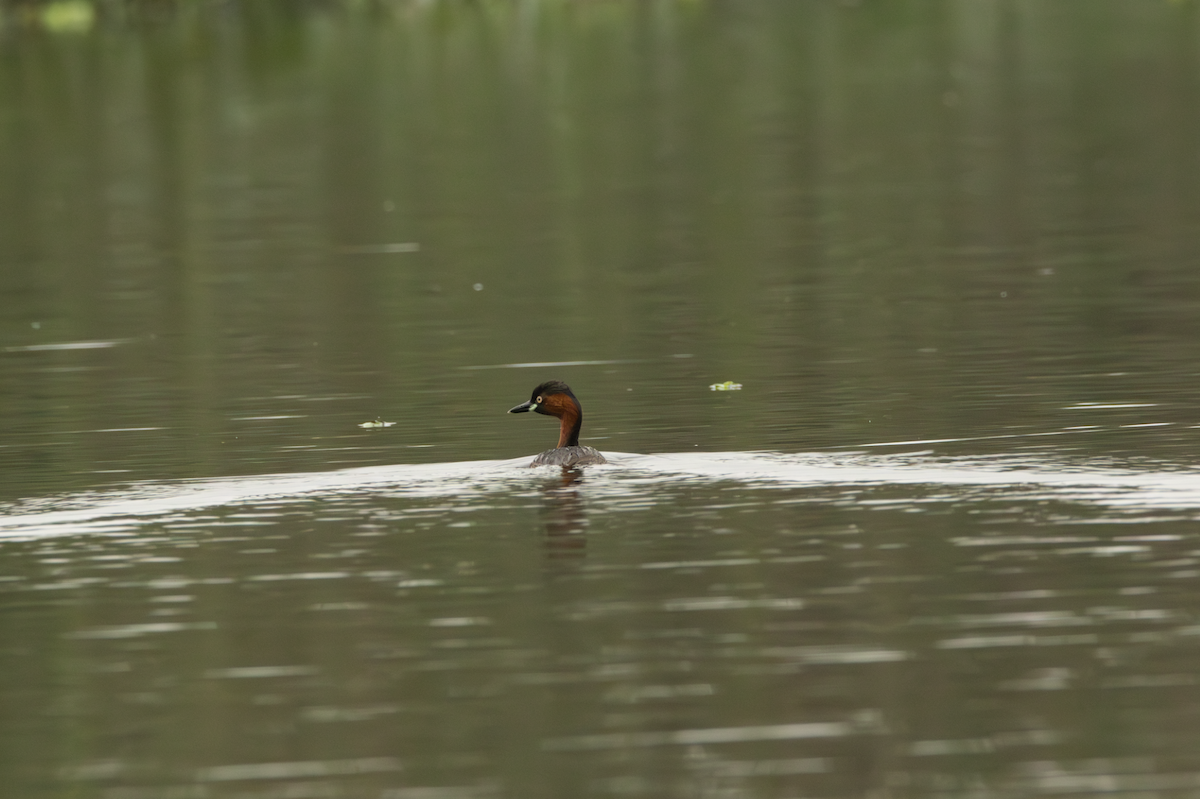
(230, 234)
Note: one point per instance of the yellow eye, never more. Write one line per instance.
(539, 399)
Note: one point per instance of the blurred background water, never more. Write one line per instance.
(949, 249)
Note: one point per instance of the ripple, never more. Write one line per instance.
(632, 481)
(139, 630)
(700, 737)
(295, 769)
(260, 672)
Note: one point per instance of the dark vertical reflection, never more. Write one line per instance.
(564, 516)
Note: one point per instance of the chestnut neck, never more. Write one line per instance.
(572, 423)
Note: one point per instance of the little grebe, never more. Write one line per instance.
(554, 398)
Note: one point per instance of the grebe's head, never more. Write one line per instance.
(552, 398)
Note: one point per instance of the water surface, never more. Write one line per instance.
(942, 542)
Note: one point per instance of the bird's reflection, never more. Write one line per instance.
(563, 515)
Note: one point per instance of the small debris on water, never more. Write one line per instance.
(728, 385)
(376, 424)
